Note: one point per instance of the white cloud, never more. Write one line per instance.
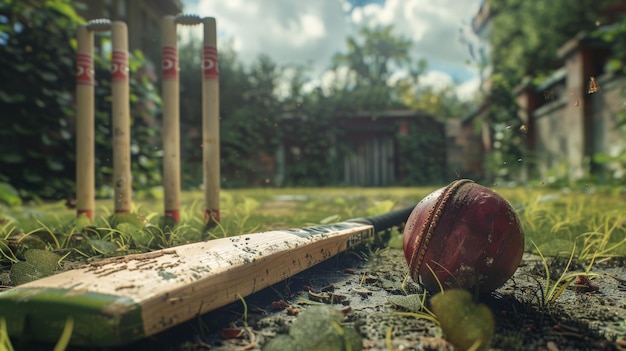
(440, 80)
(291, 32)
(298, 32)
(433, 25)
(333, 79)
(437, 79)
(468, 90)
(302, 32)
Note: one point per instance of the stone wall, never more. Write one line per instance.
(568, 122)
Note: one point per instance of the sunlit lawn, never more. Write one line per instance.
(553, 219)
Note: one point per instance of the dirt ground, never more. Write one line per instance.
(360, 286)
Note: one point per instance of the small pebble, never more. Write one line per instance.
(551, 345)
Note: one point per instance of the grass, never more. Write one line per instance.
(582, 226)
(5, 342)
(553, 289)
(555, 221)
(54, 227)
(62, 343)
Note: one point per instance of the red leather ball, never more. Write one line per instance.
(463, 236)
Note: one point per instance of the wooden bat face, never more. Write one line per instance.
(122, 299)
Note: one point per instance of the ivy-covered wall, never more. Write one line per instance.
(37, 104)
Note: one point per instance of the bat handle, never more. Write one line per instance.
(386, 220)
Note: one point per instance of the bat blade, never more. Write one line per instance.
(123, 299)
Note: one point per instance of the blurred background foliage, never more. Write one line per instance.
(36, 96)
(263, 107)
(37, 103)
(266, 110)
(615, 37)
(530, 51)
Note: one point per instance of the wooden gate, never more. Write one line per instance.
(371, 163)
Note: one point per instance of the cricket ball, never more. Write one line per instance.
(463, 235)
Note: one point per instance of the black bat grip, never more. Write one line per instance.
(386, 220)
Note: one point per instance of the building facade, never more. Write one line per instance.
(566, 124)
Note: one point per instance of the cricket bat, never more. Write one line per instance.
(118, 300)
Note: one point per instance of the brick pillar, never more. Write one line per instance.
(528, 101)
(576, 65)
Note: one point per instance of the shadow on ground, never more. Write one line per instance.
(359, 284)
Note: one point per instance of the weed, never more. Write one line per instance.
(66, 335)
(437, 277)
(61, 345)
(554, 221)
(388, 343)
(6, 253)
(422, 312)
(53, 236)
(598, 244)
(5, 342)
(404, 282)
(557, 221)
(245, 310)
(552, 290)
(374, 253)
(7, 229)
(63, 258)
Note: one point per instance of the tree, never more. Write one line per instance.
(190, 62)
(527, 34)
(371, 59)
(442, 103)
(615, 37)
(312, 139)
(37, 70)
(255, 122)
(251, 122)
(37, 67)
(525, 37)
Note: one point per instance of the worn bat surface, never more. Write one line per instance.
(122, 299)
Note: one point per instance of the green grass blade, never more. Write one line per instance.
(5, 342)
(66, 335)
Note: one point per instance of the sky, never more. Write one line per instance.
(312, 31)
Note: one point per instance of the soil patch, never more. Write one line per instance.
(360, 286)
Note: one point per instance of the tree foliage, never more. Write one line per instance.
(442, 103)
(527, 34)
(313, 144)
(368, 64)
(374, 57)
(145, 111)
(270, 115)
(270, 112)
(615, 37)
(36, 95)
(37, 55)
(421, 153)
(525, 37)
(250, 115)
